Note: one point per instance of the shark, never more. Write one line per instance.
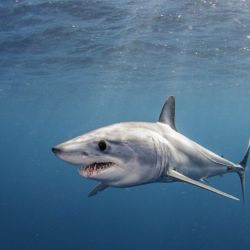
(129, 154)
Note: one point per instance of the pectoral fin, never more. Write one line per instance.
(98, 188)
(183, 178)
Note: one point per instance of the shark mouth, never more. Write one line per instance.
(95, 168)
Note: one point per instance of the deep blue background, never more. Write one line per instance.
(67, 67)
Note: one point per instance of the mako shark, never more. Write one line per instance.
(136, 153)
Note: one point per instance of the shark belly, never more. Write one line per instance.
(201, 172)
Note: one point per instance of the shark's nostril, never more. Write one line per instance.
(56, 150)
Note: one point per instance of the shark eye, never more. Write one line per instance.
(102, 145)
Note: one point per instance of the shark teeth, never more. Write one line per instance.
(96, 167)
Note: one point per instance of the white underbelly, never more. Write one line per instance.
(201, 172)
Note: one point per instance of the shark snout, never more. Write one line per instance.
(65, 148)
(56, 150)
(70, 153)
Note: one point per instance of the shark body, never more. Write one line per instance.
(136, 153)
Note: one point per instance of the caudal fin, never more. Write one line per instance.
(242, 171)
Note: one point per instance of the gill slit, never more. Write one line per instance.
(161, 157)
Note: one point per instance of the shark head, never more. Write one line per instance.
(120, 155)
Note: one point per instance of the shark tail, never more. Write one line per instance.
(242, 171)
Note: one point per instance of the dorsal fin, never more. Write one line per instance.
(168, 112)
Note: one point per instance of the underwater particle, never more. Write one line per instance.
(245, 49)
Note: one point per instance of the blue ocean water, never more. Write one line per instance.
(67, 67)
